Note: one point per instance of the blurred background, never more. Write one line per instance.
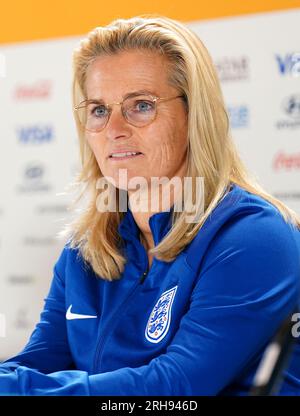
(256, 49)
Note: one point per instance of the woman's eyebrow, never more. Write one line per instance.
(139, 92)
(128, 95)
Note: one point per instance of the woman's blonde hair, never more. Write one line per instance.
(211, 151)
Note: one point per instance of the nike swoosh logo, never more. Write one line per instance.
(70, 315)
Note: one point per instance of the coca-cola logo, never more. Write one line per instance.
(283, 161)
(38, 90)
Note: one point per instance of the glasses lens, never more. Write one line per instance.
(139, 110)
(93, 116)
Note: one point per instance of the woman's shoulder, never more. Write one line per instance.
(250, 212)
(243, 220)
(70, 260)
(247, 249)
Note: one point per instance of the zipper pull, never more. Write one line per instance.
(143, 277)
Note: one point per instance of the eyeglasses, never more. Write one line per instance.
(138, 111)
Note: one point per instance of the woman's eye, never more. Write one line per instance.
(99, 111)
(143, 106)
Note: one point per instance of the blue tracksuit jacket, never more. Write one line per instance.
(195, 326)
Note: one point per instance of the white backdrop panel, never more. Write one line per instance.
(257, 61)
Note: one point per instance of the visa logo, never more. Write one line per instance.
(35, 134)
(289, 64)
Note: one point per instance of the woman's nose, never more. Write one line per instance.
(117, 126)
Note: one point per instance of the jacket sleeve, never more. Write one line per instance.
(248, 284)
(47, 349)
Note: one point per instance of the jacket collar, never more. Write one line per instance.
(160, 224)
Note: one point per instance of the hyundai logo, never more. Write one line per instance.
(291, 105)
(34, 171)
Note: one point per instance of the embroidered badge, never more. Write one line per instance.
(159, 321)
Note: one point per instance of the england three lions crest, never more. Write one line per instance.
(159, 321)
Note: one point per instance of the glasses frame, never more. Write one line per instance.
(156, 100)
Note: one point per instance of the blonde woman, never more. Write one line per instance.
(180, 297)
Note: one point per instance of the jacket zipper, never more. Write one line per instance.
(113, 319)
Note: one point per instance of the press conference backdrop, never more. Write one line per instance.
(258, 61)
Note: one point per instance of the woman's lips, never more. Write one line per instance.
(125, 157)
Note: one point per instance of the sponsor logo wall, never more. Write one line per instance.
(260, 77)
